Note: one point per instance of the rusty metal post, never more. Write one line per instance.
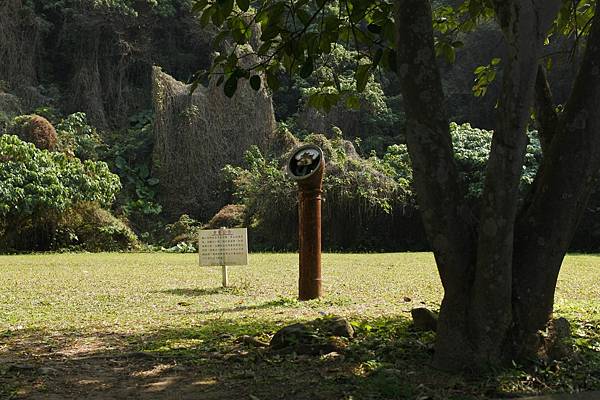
(308, 172)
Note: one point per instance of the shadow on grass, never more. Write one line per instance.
(202, 291)
(281, 302)
(386, 360)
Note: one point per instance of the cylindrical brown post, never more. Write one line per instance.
(306, 166)
(310, 244)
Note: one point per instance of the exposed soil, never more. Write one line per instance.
(105, 367)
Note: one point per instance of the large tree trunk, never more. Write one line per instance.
(563, 185)
(435, 175)
(524, 24)
(499, 283)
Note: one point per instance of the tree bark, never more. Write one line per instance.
(546, 114)
(499, 283)
(524, 24)
(435, 175)
(564, 182)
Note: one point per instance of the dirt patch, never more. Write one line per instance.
(93, 367)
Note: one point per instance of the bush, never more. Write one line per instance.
(37, 130)
(86, 226)
(230, 216)
(37, 187)
(471, 151)
(359, 194)
(79, 139)
(185, 230)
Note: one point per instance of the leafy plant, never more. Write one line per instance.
(78, 138)
(38, 186)
(130, 153)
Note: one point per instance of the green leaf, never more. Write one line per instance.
(199, 5)
(272, 80)
(194, 86)
(255, 82)
(231, 86)
(206, 16)
(307, 68)
(244, 5)
(225, 8)
(304, 16)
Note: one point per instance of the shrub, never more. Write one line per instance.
(77, 138)
(471, 151)
(37, 130)
(184, 230)
(86, 226)
(37, 187)
(358, 192)
(369, 202)
(230, 216)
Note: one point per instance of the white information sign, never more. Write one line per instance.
(223, 247)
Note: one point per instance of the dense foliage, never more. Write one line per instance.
(356, 190)
(367, 200)
(38, 186)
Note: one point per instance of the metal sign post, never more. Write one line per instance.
(306, 166)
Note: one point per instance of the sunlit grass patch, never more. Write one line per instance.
(161, 312)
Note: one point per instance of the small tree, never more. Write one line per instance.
(38, 186)
(499, 268)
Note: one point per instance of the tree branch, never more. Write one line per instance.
(429, 141)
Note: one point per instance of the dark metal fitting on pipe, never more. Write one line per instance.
(306, 167)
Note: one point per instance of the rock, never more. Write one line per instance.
(292, 335)
(407, 299)
(340, 327)
(424, 319)
(252, 341)
(561, 328)
(321, 336)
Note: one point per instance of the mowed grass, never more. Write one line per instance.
(145, 292)
(142, 292)
(56, 308)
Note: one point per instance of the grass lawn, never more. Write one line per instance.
(158, 326)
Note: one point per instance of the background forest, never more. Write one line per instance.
(105, 146)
